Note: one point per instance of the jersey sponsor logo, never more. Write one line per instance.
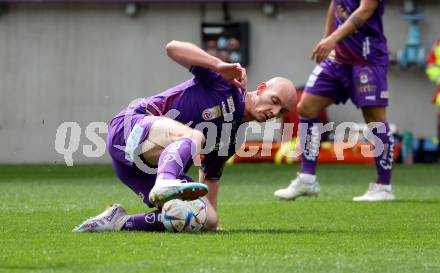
(368, 88)
(370, 97)
(211, 113)
(228, 115)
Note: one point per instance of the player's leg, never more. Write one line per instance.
(370, 93)
(211, 201)
(137, 139)
(306, 183)
(141, 184)
(211, 216)
(322, 90)
(123, 138)
(115, 217)
(310, 132)
(149, 221)
(112, 218)
(120, 133)
(381, 189)
(172, 146)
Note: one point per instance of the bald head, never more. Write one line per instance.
(280, 81)
(285, 90)
(272, 99)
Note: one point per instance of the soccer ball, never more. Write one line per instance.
(198, 210)
(184, 216)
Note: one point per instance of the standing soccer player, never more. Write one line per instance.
(352, 62)
(168, 131)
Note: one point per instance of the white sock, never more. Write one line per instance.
(385, 187)
(307, 178)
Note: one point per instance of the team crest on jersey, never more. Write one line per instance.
(211, 113)
(363, 78)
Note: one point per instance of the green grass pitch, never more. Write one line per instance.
(41, 204)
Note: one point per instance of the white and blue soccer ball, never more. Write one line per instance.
(184, 216)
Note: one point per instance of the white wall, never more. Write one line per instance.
(84, 63)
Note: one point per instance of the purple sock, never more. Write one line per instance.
(151, 221)
(175, 157)
(310, 141)
(384, 161)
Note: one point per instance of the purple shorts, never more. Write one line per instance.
(125, 136)
(138, 181)
(364, 85)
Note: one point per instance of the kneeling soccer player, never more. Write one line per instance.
(161, 131)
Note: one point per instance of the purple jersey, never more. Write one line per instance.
(366, 46)
(206, 102)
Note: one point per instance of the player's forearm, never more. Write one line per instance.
(356, 20)
(187, 55)
(213, 186)
(211, 201)
(330, 21)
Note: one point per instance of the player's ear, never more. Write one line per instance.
(261, 87)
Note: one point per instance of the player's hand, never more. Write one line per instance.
(233, 73)
(322, 49)
(243, 78)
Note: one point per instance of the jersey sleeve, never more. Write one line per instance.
(205, 75)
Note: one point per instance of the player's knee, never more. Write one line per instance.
(306, 111)
(373, 118)
(197, 137)
(374, 114)
(185, 132)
